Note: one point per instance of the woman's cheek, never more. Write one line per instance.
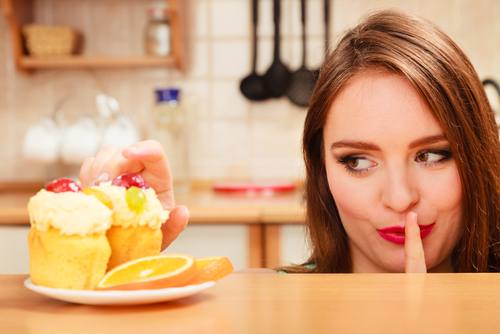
(442, 190)
(351, 201)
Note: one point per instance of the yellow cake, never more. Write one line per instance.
(67, 243)
(134, 234)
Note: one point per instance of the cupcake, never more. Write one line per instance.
(68, 246)
(137, 219)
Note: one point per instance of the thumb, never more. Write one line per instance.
(175, 224)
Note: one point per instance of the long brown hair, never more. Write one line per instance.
(446, 80)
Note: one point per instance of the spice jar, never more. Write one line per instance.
(157, 35)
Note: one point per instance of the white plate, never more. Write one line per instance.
(137, 297)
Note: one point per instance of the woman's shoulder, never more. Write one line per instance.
(270, 271)
(309, 266)
(256, 271)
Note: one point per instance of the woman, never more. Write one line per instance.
(401, 151)
(427, 61)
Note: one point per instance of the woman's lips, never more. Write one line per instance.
(396, 234)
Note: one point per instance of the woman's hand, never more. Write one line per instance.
(148, 159)
(414, 250)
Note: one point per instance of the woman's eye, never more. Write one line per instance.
(355, 164)
(433, 157)
(426, 157)
(358, 163)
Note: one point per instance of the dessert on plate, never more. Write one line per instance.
(78, 235)
(67, 242)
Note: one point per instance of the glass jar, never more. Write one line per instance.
(157, 35)
(170, 128)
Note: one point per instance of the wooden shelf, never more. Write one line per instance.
(20, 12)
(94, 62)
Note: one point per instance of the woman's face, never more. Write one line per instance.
(386, 156)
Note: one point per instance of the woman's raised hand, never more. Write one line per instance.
(414, 250)
(148, 159)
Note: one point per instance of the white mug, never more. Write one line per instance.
(121, 133)
(80, 141)
(41, 142)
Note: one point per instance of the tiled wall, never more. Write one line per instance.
(232, 137)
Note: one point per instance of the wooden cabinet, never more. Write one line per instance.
(20, 12)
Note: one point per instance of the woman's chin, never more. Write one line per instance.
(394, 264)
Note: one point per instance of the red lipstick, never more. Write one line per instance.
(396, 234)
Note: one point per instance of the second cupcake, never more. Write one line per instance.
(137, 218)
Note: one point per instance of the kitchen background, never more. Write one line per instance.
(231, 137)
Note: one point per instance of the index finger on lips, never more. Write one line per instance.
(414, 250)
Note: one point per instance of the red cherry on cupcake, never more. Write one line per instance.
(63, 185)
(130, 180)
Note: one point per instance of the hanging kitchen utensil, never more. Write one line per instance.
(496, 86)
(327, 35)
(303, 80)
(253, 87)
(278, 76)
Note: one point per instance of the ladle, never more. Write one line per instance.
(253, 87)
(278, 76)
(495, 85)
(327, 35)
(303, 80)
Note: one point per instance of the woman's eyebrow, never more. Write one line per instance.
(355, 144)
(373, 147)
(427, 140)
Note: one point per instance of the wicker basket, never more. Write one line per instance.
(45, 40)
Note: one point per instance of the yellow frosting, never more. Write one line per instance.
(69, 212)
(152, 215)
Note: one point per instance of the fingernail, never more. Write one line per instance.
(92, 183)
(104, 177)
(133, 148)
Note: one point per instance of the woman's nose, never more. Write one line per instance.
(399, 191)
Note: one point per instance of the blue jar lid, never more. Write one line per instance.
(167, 95)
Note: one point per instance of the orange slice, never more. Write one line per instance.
(151, 272)
(102, 197)
(211, 269)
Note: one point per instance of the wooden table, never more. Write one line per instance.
(259, 303)
(262, 214)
